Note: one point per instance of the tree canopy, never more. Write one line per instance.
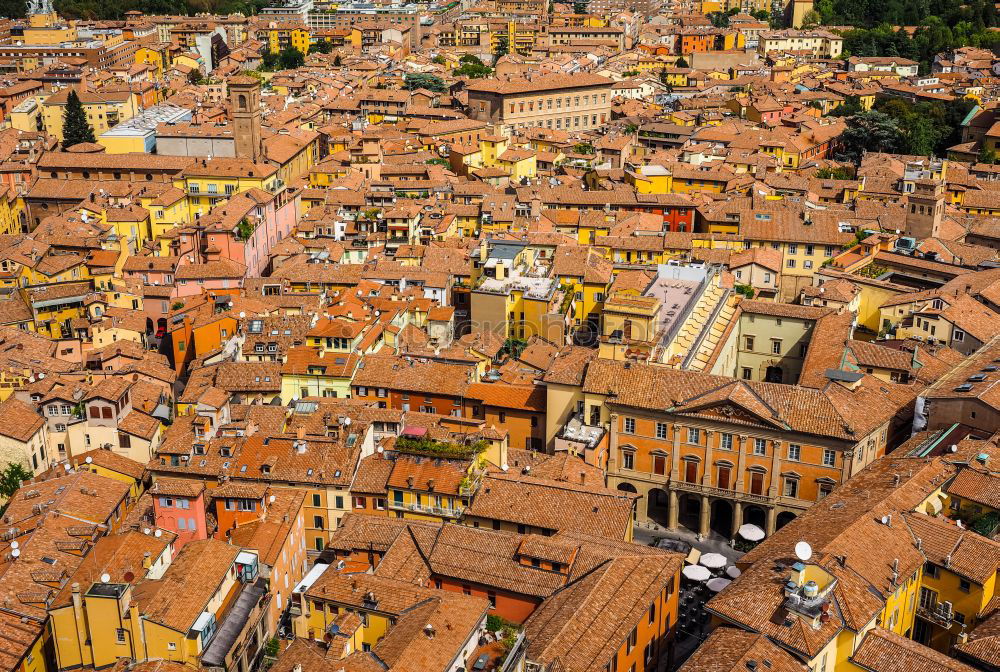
(76, 128)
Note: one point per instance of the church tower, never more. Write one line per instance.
(244, 97)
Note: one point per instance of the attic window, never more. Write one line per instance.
(309, 472)
(256, 326)
(244, 468)
(49, 560)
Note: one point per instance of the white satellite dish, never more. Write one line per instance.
(105, 578)
(158, 533)
(67, 467)
(803, 551)
(347, 421)
(242, 314)
(953, 448)
(271, 499)
(380, 449)
(14, 544)
(89, 460)
(145, 530)
(504, 467)
(16, 552)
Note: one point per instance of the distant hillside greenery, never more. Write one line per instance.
(941, 25)
(100, 9)
(978, 14)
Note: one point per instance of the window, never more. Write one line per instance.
(829, 457)
(794, 452)
(931, 570)
(359, 502)
(317, 500)
(694, 435)
(318, 522)
(790, 263)
(628, 459)
(964, 585)
(181, 524)
(167, 502)
(748, 342)
(760, 446)
(652, 613)
(171, 646)
(630, 644)
(958, 336)
(659, 465)
(747, 373)
(725, 441)
(824, 490)
(661, 430)
(124, 440)
(775, 346)
(791, 487)
(120, 635)
(629, 425)
(339, 501)
(466, 590)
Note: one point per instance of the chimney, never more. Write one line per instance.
(147, 560)
(409, 481)
(300, 433)
(429, 631)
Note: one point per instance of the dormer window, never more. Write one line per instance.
(226, 452)
(199, 449)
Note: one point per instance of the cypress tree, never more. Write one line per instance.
(75, 126)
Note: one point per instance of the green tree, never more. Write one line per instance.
(269, 61)
(75, 126)
(872, 131)
(439, 60)
(290, 58)
(11, 478)
(419, 80)
(836, 173)
(321, 47)
(337, 60)
(503, 48)
(579, 7)
(583, 148)
(681, 63)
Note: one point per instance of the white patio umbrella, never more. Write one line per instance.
(751, 532)
(717, 584)
(696, 573)
(733, 572)
(713, 560)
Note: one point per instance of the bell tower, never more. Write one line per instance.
(244, 98)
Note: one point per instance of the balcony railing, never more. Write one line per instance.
(721, 492)
(430, 510)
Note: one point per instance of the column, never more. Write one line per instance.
(703, 515)
(776, 447)
(741, 460)
(772, 516)
(675, 457)
(613, 464)
(706, 478)
(737, 517)
(672, 514)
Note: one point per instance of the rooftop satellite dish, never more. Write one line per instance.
(16, 552)
(271, 499)
(953, 448)
(380, 449)
(504, 467)
(885, 520)
(89, 460)
(145, 530)
(40, 376)
(14, 544)
(158, 533)
(105, 578)
(242, 314)
(67, 467)
(347, 421)
(803, 551)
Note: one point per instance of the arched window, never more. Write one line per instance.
(242, 101)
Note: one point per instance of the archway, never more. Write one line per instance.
(773, 374)
(658, 507)
(149, 326)
(722, 517)
(690, 511)
(783, 519)
(627, 487)
(755, 515)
